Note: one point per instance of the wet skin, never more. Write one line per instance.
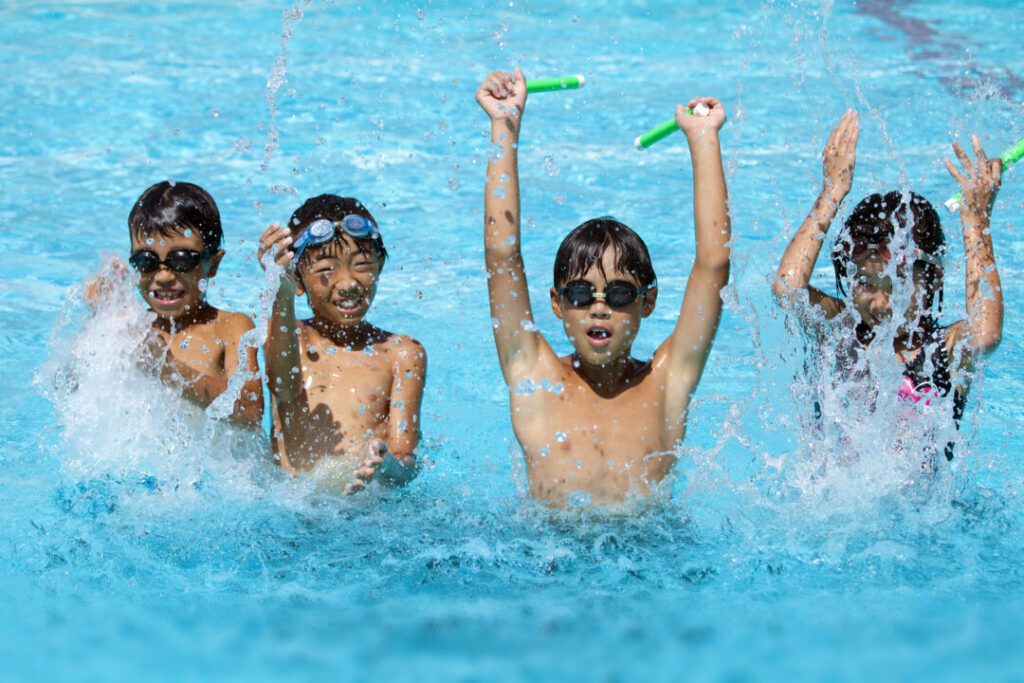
(358, 390)
(193, 345)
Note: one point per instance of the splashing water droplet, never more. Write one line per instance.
(561, 437)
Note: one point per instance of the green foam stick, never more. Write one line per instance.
(664, 130)
(553, 84)
(1009, 157)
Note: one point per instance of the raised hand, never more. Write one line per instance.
(692, 123)
(503, 95)
(840, 156)
(980, 179)
(102, 286)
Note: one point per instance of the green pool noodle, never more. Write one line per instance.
(1009, 157)
(664, 130)
(553, 84)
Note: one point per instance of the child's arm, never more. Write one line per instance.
(839, 158)
(979, 183)
(282, 348)
(248, 408)
(690, 342)
(503, 97)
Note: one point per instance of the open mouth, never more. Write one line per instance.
(349, 305)
(166, 297)
(599, 336)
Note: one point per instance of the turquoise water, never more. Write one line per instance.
(135, 541)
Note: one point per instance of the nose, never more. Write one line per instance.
(880, 301)
(600, 309)
(164, 274)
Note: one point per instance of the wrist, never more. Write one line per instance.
(505, 127)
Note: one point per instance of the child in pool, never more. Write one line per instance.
(862, 255)
(345, 394)
(611, 431)
(176, 237)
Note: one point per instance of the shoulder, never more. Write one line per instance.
(230, 326)
(404, 349)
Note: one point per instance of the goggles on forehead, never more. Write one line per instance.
(323, 231)
(883, 251)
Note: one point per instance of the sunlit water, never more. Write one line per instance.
(140, 537)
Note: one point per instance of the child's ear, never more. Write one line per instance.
(556, 303)
(215, 259)
(650, 298)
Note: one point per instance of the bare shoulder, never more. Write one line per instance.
(231, 326)
(404, 349)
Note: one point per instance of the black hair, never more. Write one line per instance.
(874, 222)
(334, 208)
(584, 248)
(170, 208)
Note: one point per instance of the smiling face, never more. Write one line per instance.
(168, 293)
(340, 281)
(599, 333)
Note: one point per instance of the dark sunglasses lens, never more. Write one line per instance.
(619, 294)
(579, 294)
(183, 261)
(144, 261)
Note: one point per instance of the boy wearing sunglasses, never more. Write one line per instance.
(599, 426)
(345, 394)
(176, 237)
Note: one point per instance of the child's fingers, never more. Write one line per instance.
(274, 227)
(962, 155)
(954, 172)
(979, 153)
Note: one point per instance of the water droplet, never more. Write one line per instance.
(331, 350)
(544, 452)
(499, 192)
(453, 183)
(526, 387)
(214, 112)
(495, 152)
(184, 344)
(420, 14)
(550, 167)
(362, 409)
(369, 351)
(579, 499)
(560, 437)
(528, 325)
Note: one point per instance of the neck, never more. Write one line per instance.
(202, 313)
(356, 336)
(606, 378)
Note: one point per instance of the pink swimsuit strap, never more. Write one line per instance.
(909, 392)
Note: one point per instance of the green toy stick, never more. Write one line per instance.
(553, 84)
(1009, 157)
(664, 130)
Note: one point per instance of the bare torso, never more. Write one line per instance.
(609, 446)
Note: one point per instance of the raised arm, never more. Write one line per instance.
(838, 160)
(690, 342)
(282, 347)
(979, 182)
(503, 97)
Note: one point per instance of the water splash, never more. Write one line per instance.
(290, 19)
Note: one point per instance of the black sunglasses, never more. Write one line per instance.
(181, 261)
(618, 294)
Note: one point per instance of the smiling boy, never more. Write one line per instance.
(345, 393)
(176, 237)
(608, 427)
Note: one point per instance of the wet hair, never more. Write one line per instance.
(334, 208)
(584, 248)
(874, 221)
(172, 208)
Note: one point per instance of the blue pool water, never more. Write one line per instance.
(139, 540)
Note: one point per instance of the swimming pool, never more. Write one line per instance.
(128, 549)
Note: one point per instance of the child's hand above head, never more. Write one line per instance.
(503, 96)
(983, 177)
(695, 123)
(840, 156)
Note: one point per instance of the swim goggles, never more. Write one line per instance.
(618, 294)
(180, 261)
(323, 231)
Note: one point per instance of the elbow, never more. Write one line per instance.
(780, 288)
(988, 341)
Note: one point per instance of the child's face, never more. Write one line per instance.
(601, 333)
(340, 281)
(872, 289)
(170, 293)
